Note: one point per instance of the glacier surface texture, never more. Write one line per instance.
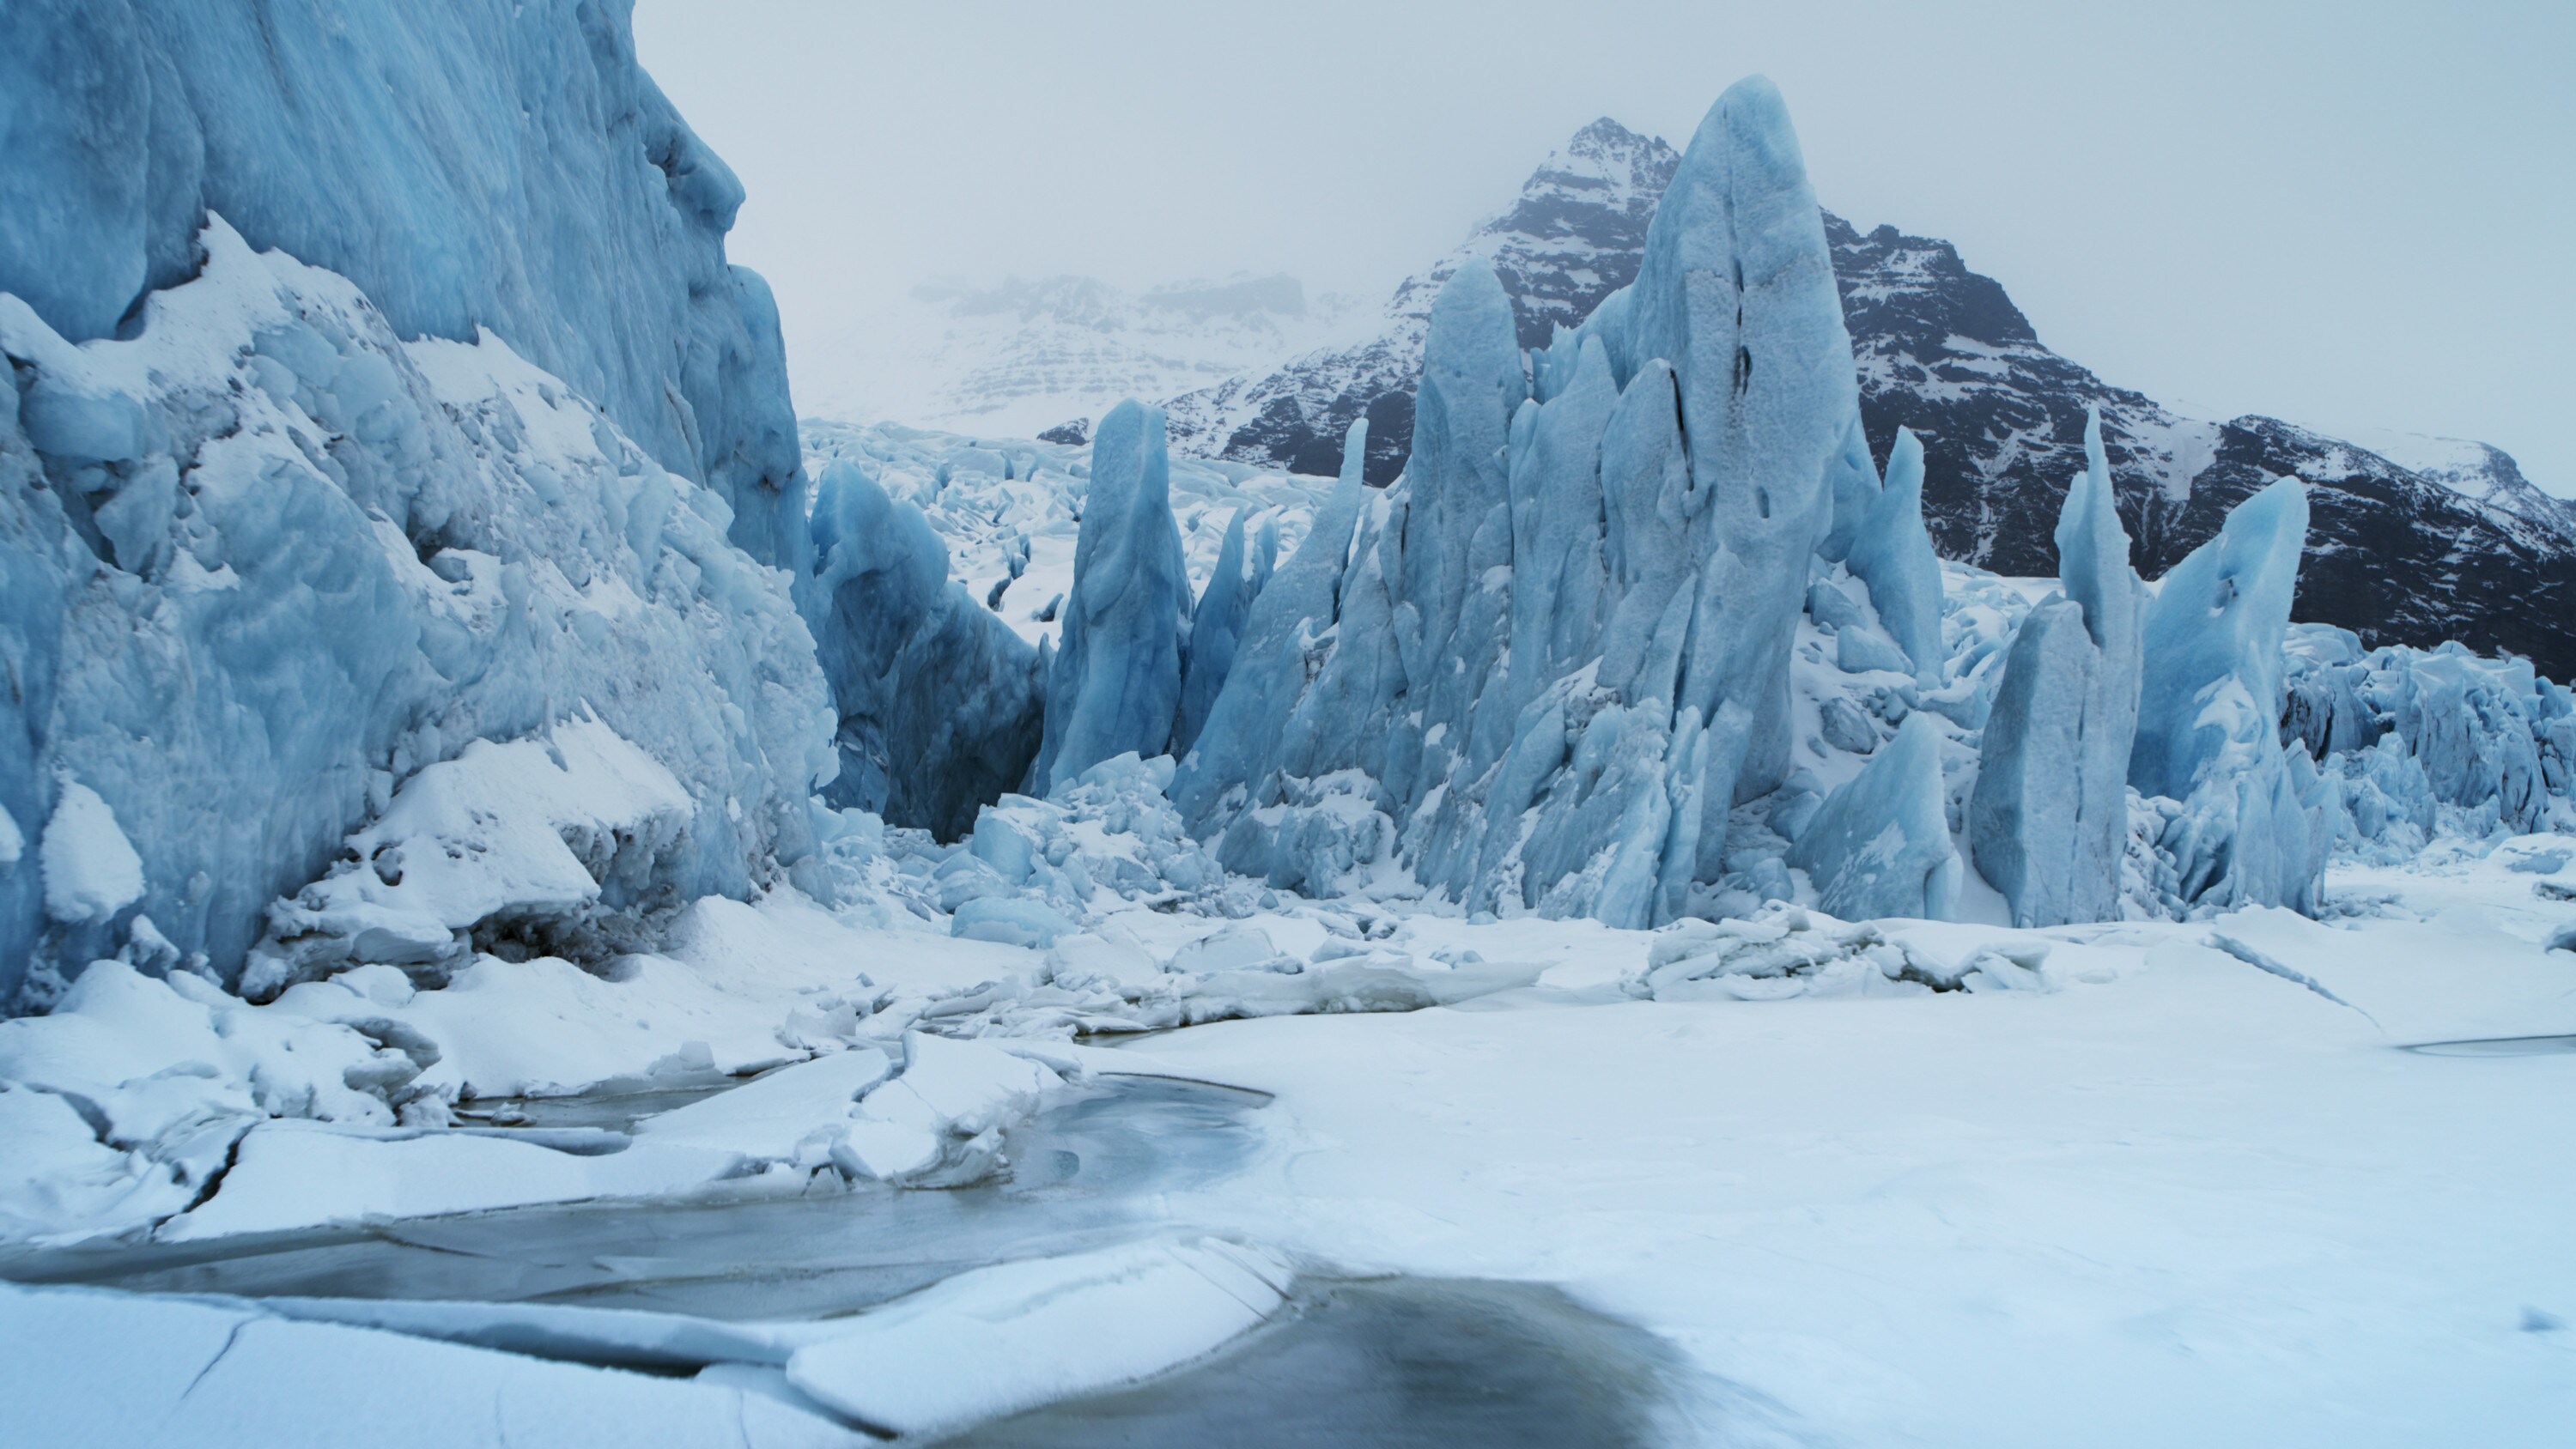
(380, 387)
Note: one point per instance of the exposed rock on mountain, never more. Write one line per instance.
(1572, 237)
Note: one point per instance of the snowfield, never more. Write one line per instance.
(2213, 1182)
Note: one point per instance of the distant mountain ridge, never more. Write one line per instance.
(2457, 545)
(1030, 353)
(1572, 237)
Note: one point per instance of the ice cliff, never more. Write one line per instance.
(486, 163)
(264, 562)
(379, 388)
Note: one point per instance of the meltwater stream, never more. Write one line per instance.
(1082, 1174)
(1385, 1361)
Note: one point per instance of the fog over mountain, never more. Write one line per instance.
(2286, 209)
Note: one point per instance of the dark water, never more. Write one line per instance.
(1403, 1363)
(611, 1111)
(1081, 1175)
(1394, 1362)
(2498, 1046)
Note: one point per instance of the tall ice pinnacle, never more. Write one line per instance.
(1116, 684)
(2210, 710)
(1558, 648)
(2048, 820)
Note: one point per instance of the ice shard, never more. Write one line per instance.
(2209, 714)
(1115, 685)
(1216, 628)
(940, 704)
(1880, 846)
(2048, 819)
(1891, 551)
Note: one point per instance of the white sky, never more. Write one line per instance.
(2347, 215)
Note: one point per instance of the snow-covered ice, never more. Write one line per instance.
(997, 1340)
(1937, 1007)
(93, 1368)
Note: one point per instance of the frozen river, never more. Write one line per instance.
(1360, 1361)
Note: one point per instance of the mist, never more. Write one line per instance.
(2348, 216)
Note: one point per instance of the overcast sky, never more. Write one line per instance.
(2347, 215)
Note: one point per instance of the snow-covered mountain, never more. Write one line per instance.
(1572, 237)
(2415, 540)
(1030, 356)
(2440, 541)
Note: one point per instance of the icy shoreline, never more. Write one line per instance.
(2080, 1181)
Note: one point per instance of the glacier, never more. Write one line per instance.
(266, 562)
(406, 750)
(482, 164)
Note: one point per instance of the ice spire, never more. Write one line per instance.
(2210, 710)
(1892, 553)
(2048, 819)
(1116, 682)
(1216, 628)
(1558, 648)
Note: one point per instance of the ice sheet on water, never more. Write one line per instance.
(1006, 1338)
(97, 1367)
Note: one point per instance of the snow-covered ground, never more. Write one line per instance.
(2135, 1184)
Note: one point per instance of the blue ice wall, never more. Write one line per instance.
(262, 561)
(469, 163)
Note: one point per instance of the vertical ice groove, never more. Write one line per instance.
(2250, 831)
(2048, 818)
(1116, 682)
(1560, 642)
